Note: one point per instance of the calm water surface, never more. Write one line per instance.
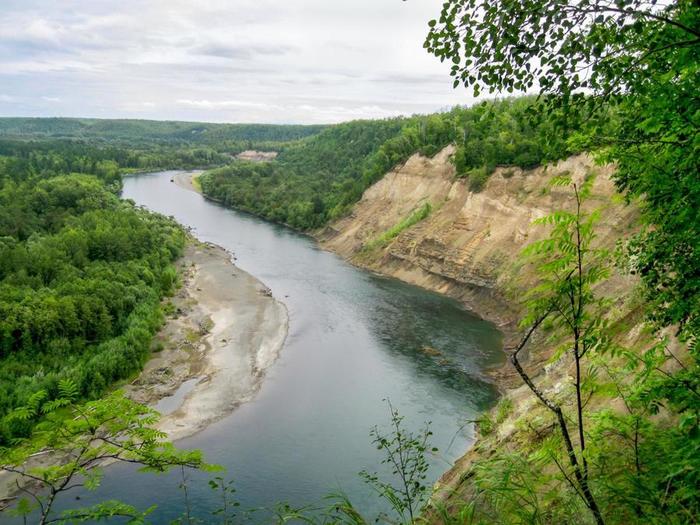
(354, 340)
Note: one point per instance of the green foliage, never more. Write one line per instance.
(318, 179)
(569, 267)
(485, 424)
(313, 179)
(81, 277)
(633, 68)
(84, 437)
(517, 489)
(405, 454)
(414, 218)
(642, 66)
(503, 133)
(137, 131)
(617, 40)
(503, 409)
(54, 156)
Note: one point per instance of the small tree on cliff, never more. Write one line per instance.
(635, 65)
(568, 267)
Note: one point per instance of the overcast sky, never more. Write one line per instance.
(277, 61)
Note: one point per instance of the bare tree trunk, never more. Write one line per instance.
(582, 480)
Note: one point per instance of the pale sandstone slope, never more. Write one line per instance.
(469, 248)
(469, 245)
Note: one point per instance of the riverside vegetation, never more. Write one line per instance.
(318, 179)
(617, 442)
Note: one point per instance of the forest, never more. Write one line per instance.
(81, 277)
(317, 179)
(82, 272)
(133, 132)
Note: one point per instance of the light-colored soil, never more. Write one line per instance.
(469, 248)
(186, 180)
(257, 156)
(225, 332)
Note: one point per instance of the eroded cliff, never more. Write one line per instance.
(469, 245)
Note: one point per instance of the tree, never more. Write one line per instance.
(609, 47)
(79, 441)
(568, 267)
(405, 454)
(635, 66)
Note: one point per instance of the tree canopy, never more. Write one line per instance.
(319, 178)
(81, 277)
(635, 66)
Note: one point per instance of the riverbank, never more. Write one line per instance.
(188, 180)
(485, 300)
(339, 355)
(224, 331)
(468, 248)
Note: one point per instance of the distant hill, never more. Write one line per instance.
(131, 130)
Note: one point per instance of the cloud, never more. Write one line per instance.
(218, 104)
(240, 51)
(249, 60)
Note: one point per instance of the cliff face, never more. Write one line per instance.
(468, 247)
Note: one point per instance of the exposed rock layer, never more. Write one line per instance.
(469, 246)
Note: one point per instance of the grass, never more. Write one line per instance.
(195, 182)
(503, 410)
(385, 238)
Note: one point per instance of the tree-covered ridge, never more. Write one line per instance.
(81, 277)
(64, 156)
(312, 179)
(134, 131)
(317, 179)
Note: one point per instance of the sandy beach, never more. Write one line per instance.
(184, 180)
(224, 331)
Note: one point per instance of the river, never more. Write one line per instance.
(355, 339)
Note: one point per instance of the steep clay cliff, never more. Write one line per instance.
(469, 245)
(468, 248)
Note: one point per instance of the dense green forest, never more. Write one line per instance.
(136, 131)
(37, 156)
(317, 179)
(615, 440)
(81, 276)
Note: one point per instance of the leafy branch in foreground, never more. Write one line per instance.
(70, 446)
(405, 453)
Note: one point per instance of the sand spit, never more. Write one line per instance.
(224, 331)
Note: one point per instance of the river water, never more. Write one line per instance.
(355, 339)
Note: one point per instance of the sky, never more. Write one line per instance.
(267, 61)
